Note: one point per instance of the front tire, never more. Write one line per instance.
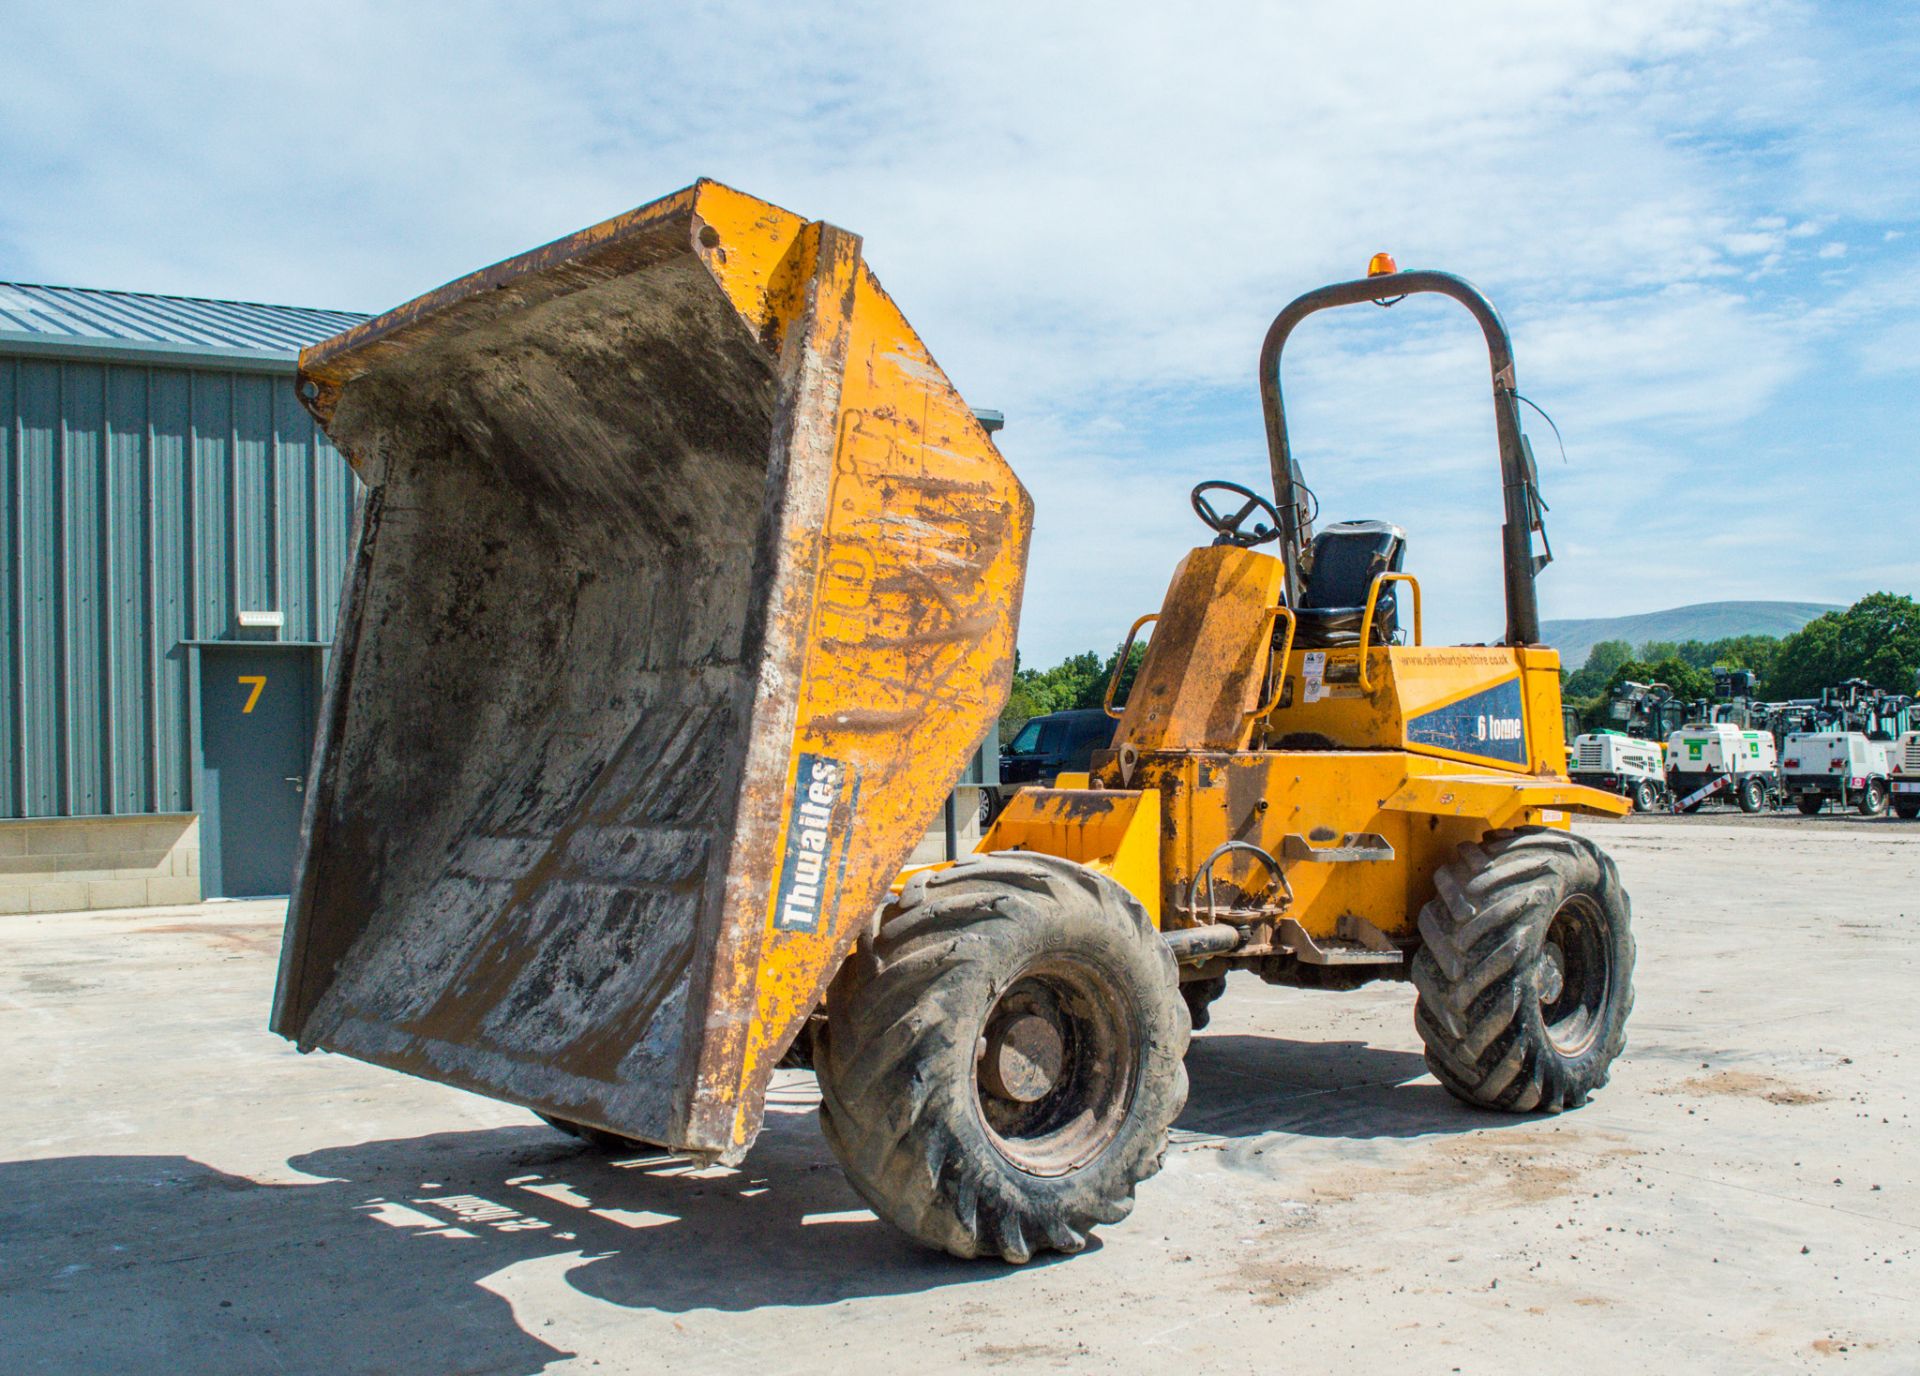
(1753, 795)
(1645, 796)
(1001, 1063)
(1525, 977)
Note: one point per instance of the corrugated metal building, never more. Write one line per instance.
(174, 531)
(163, 497)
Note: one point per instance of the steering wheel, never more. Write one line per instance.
(1227, 528)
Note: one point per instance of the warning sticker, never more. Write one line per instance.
(1313, 672)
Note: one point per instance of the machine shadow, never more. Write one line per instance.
(1246, 1086)
(448, 1251)
(442, 1252)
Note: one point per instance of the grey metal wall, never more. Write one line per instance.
(140, 508)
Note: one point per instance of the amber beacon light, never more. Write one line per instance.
(1381, 264)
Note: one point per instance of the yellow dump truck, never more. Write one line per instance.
(684, 586)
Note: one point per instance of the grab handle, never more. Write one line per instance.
(1366, 622)
(1120, 666)
(1286, 649)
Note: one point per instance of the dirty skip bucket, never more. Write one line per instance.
(685, 585)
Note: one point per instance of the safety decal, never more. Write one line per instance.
(1313, 671)
(1490, 724)
(819, 823)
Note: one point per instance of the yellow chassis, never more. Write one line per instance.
(1262, 785)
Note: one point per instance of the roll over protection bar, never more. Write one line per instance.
(1517, 473)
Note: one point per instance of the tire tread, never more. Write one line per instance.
(1481, 932)
(882, 1103)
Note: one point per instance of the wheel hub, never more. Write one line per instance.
(1055, 1066)
(1576, 977)
(1553, 973)
(1023, 1058)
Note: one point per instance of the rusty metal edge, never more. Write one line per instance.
(291, 1007)
(799, 485)
(466, 301)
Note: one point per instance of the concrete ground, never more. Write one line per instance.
(179, 1191)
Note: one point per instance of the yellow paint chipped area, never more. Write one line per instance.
(1424, 808)
(1199, 684)
(747, 244)
(333, 360)
(1190, 734)
(1112, 831)
(1408, 681)
(873, 624)
(1501, 800)
(909, 641)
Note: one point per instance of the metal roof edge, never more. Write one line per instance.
(146, 354)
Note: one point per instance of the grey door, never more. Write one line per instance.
(256, 731)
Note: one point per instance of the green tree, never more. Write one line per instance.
(1134, 658)
(1755, 652)
(1020, 709)
(1877, 638)
(1078, 681)
(1686, 681)
(1602, 660)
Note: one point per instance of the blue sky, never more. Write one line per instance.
(1700, 217)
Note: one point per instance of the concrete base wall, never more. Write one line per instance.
(64, 864)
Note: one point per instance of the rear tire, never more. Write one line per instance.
(1905, 810)
(1526, 976)
(1873, 798)
(1645, 796)
(1753, 794)
(1001, 1063)
(1809, 803)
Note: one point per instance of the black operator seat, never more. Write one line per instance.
(1347, 557)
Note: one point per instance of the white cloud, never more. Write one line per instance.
(1091, 212)
(1749, 244)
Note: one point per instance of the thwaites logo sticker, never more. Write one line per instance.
(1489, 724)
(819, 823)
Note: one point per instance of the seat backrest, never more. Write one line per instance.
(1347, 557)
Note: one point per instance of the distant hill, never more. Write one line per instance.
(1702, 621)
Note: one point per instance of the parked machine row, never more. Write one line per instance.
(1701, 765)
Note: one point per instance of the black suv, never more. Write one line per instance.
(1047, 745)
